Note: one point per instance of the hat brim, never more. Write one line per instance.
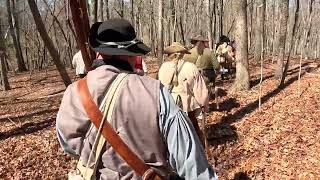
(134, 50)
(171, 52)
(195, 40)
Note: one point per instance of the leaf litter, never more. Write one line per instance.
(282, 141)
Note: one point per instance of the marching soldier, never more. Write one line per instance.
(185, 83)
(204, 59)
(143, 115)
(226, 55)
(78, 64)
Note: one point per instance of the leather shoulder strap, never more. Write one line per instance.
(111, 136)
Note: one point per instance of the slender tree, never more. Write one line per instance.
(160, 32)
(241, 39)
(294, 31)
(132, 13)
(48, 42)
(95, 10)
(259, 29)
(106, 2)
(284, 8)
(17, 47)
(101, 12)
(209, 22)
(4, 77)
(17, 27)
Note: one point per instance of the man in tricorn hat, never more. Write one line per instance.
(144, 114)
(203, 58)
(185, 83)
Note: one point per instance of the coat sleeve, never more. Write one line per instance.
(72, 123)
(186, 154)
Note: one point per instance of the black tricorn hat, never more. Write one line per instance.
(116, 37)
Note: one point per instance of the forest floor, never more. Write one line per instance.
(281, 141)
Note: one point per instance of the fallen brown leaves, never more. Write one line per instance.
(28, 145)
(282, 141)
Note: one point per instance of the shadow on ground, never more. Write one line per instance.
(27, 128)
(241, 176)
(224, 131)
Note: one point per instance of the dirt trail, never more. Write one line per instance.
(280, 142)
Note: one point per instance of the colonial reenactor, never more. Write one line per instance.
(185, 83)
(142, 117)
(226, 55)
(203, 58)
(78, 64)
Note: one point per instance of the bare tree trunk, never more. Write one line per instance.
(284, 4)
(48, 42)
(209, 22)
(19, 56)
(294, 30)
(101, 10)
(170, 21)
(241, 38)
(174, 22)
(107, 8)
(122, 8)
(259, 30)
(309, 25)
(4, 78)
(132, 13)
(218, 19)
(95, 11)
(160, 32)
(261, 70)
(275, 45)
(221, 17)
(17, 29)
(182, 32)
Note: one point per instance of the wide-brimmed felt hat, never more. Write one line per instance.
(116, 37)
(224, 38)
(198, 38)
(176, 47)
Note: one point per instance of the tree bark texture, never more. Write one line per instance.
(241, 39)
(101, 12)
(259, 30)
(294, 32)
(95, 11)
(48, 42)
(160, 32)
(4, 78)
(209, 22)
(284, 9)
(107, 8)
(17, 47)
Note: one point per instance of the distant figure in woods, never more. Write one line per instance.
(78, 63)
(141, 111)
(185, 83)
(226, 55)
(203, 58)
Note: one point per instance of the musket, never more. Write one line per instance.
(203, 124)
(81, 25)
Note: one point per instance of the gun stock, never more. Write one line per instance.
(81, 25)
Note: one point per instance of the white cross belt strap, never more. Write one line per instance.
(84, 172)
